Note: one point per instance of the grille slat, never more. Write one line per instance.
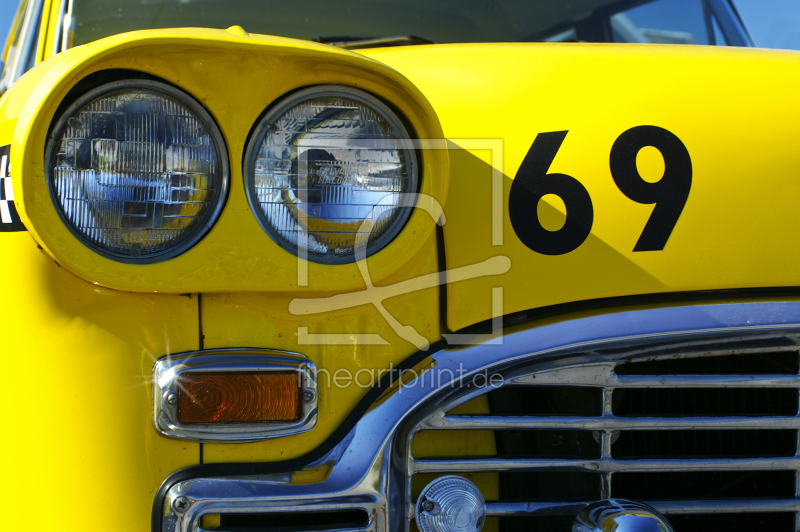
(490, 422)
(603, 465)
(708, 381)
(609, 379)
(726, 505)
(529, 509)
(657, 418)
(282, 529)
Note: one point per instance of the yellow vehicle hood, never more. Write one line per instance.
(735, 112)
(724, 220)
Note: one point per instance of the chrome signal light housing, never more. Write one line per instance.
(330, 169)
(234, 395)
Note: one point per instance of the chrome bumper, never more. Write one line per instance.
(368, 467)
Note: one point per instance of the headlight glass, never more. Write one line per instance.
(138, 170)
(330, 167)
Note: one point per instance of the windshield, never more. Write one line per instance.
(441, 21)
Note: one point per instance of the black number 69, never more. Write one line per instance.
(532, 182)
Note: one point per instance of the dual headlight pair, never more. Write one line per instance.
(139, 172)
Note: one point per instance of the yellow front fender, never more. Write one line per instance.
(734, 111)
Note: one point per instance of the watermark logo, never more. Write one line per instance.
(368, 378)
(376, 295)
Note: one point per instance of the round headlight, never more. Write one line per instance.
(330, 167)
(137, 170)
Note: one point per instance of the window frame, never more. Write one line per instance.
(23, 44)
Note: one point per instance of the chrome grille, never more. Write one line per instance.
(745, 389)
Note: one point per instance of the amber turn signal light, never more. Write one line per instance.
(239, 397)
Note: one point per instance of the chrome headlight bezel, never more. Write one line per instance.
(220, 194)
(407, 145)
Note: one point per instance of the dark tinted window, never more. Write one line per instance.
(439, 21)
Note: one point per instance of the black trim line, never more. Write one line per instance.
(201, 340)
(294, 464)
(442, 264)
(746, 31)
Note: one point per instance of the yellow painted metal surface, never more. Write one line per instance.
(47, 24)
(237, 253)
(734, 110)
(347, 369)
(50, 36)
(97, 346)
(236, 78)
(78, 445)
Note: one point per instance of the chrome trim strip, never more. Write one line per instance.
(167, 371)
(603, 465)
(726, 505)
(250, 501)
(607, 422)
(371, 460)
(720, 347)
(602, 375)
(367, 529)
(344, 491)
(697, 506)
(60, 19)
(531, 509)
(709, 381)
(20, 55)
(68, 29)
(678, 381)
